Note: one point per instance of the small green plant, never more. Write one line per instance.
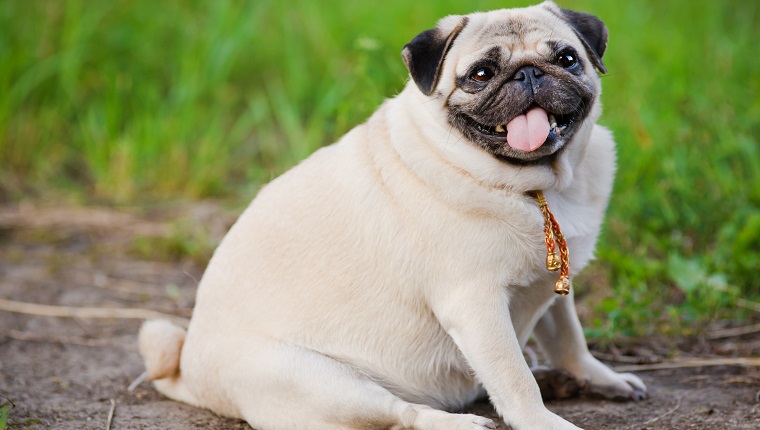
(4, 410)
(185, 240)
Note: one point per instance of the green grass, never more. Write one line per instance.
(131, 101)
(4, 408)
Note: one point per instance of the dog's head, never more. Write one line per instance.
(518, 83)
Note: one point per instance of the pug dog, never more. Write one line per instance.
(392, 278)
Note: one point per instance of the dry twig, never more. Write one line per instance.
(86, 312)
(691, 362)
(622, 358)
(8, 401)
(139, 380)
(733, 332)
(110, 414)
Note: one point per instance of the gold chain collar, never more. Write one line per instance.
(555, 242)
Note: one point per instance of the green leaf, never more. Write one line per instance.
(687, 274)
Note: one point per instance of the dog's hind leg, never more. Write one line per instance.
(560, 335)
(279, 387)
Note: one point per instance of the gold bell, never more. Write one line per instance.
(552, 262)
(562, 287)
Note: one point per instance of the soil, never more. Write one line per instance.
(67, 372)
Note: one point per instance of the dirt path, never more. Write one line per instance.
(63, 373)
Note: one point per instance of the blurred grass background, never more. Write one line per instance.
(135, 101)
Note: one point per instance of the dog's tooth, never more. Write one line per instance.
(499, 129)
(552, 121)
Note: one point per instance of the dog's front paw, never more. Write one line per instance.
(541, 421)
(432, 419)
(482, 423)
(601, 381)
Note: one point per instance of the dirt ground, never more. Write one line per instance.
(71, 372)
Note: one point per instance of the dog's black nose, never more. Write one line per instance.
(528, 73)
(529, 78)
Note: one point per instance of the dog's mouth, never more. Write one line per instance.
(558, 123)
(533, 136)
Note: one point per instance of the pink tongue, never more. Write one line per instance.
(528, 132)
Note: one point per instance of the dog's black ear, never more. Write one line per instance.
(592, 32)
(424, 55)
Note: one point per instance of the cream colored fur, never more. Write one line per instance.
(392, 276)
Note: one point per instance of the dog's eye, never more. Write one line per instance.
(567, 59)
(482, 74)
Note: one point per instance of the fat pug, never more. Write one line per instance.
(392, 278)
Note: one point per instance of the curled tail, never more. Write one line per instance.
(160, 343)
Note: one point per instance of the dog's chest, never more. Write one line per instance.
(503, 244)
